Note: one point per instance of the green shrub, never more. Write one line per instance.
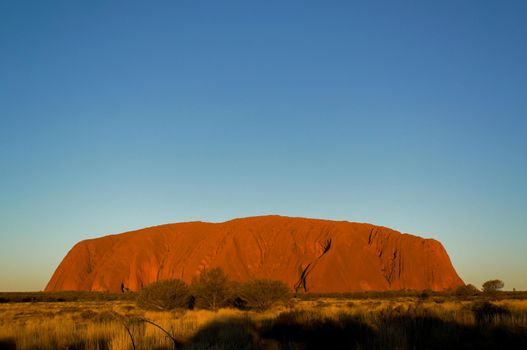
(426, 294)
(486, 312)
(493, 286)
(164, 295)
(262, 294)
(468, 290)
(212, 289)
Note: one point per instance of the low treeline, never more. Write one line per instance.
(69, 296)
(460, 294)
(213, 289)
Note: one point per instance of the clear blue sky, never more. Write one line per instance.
(121, 115)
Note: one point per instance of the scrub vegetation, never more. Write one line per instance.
(393, 323)
(262, 314)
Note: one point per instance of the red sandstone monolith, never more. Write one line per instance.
(360, 257)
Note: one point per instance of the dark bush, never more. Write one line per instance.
(468, 290)
(305, 330)
(212, 289)
(486, 312)
(164, 295)
(262, 294)
(227, 333)
(425, 294)
(493, 286)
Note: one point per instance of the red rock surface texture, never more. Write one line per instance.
(308, 254)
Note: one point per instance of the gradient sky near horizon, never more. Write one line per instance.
(120, 115)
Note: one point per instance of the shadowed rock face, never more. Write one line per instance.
(308, 254)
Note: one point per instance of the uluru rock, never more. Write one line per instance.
(308, 254)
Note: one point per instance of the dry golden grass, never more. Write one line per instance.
(96, 324)
(93, 325)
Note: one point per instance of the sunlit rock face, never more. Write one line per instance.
(308, 254)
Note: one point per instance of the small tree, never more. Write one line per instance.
(262, 294)
(467, 290)
(486, 312)
(212, 289)
(426, 294)
(164, 295)
(493, 286)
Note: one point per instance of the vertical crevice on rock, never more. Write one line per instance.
(304, 272)
(371, 236)
(302, 283)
